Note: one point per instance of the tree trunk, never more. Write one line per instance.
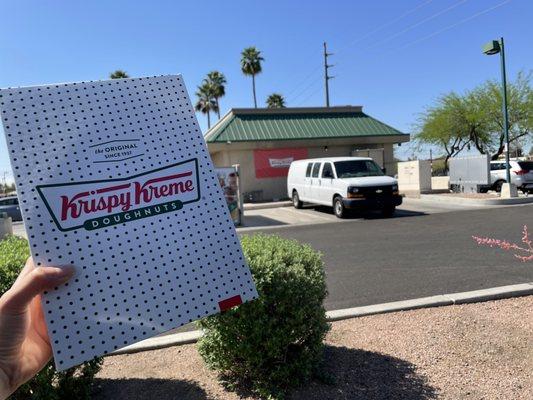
(208, 120)
(501, 148)
(253, 87)
(218, 107)
(446, 169)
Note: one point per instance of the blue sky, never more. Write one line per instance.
(392, 57)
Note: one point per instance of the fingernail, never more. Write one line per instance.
(64, 270)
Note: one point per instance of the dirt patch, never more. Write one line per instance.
(474, 351)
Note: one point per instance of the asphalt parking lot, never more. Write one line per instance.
(271, 218)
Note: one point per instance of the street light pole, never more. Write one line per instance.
(505, 115)
(491, 48)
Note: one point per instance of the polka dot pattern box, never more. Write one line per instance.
(114, 178)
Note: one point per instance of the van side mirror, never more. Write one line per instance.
(384, 170)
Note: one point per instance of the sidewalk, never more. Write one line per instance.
(479, 199)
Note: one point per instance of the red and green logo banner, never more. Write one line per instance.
(274, 163)
(99, 204)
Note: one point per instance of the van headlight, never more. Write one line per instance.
(395, 189)
(353, 192)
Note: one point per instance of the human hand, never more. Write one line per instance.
(24, 344)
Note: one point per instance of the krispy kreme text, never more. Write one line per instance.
(124, 197)
(74, 204)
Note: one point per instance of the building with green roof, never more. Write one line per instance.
(263, 141)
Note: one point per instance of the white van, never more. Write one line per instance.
(344, 183)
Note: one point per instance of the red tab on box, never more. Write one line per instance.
(229, 302)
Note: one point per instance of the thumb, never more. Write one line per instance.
(17, 299)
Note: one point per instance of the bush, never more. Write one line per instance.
(276, 341)
(14, 252)
(48, 384)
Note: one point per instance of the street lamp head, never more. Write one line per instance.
(492, 47)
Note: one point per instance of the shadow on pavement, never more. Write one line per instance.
(147, 389)
(360, 374)
(397, 214)
(369, 214)
(258, 220)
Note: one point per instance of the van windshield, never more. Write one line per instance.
(357, 168)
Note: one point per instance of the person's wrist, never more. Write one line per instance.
(7, 384)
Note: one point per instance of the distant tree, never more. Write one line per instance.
(488, 99)
(217, 81)
(449, 125)
(251, 65)
(118, 74)
(275, 100)
(457, 122)
(531, 151)
(205, 102)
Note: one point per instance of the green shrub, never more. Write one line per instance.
(275, 342)
(14, 252)
(48, 384)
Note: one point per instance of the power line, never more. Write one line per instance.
(391, 22)
(451, 26)
(309, 96)
(299, 93)
(433, 16)
(435, 33)
(379, 28)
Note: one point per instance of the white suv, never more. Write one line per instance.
(344, 183)
(521, 175)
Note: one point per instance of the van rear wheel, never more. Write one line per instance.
(338, 207)
(296, 200)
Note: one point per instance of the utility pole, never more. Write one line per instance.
(327, 77)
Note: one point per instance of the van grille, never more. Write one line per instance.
(376, 191)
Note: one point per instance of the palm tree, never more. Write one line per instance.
(118, 74)
(216, 80)
(206, 102)
(251, 65)
(275, 100)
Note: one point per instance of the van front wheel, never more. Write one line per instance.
(338, 207)
(296, 200)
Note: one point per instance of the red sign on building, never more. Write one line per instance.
(274, 163)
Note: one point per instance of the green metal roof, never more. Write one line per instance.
(247, 125)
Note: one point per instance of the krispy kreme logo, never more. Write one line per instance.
(99, 204)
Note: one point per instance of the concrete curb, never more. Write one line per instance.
(475, 296)
(161, 342)
(262, 206)
(435, 198)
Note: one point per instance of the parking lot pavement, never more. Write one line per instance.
(415, 255)
(270, 218)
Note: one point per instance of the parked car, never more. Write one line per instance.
(521, 175)
(10, 205)
(344, 183)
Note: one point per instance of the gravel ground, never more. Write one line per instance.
(473, 351)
